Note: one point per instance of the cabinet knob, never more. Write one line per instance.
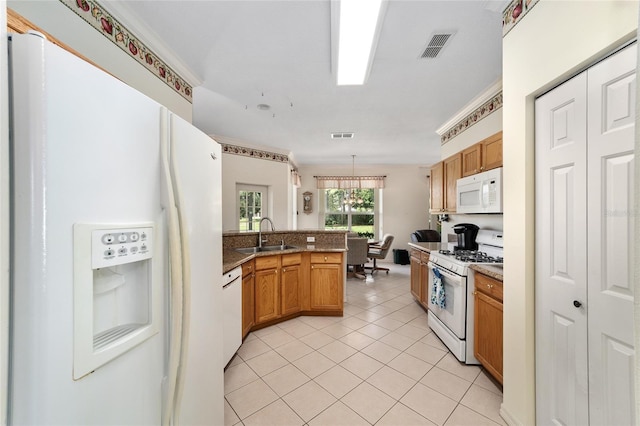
(481, 168)
(284, 270)
(489, 286)
(325, 258)
(577, 304)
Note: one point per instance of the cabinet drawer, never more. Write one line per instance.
(326, 257)
(488, 286)
(415, 253)
(267, 262)
(291, 259)
(247, 268)
(424, 257)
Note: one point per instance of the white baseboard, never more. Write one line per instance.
(507, 417)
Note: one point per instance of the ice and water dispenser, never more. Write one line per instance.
(117, 292)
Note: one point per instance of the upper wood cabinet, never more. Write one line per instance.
(443, 184)
(482, 156)
(437, 188)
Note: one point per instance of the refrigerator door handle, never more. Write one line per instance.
(175, 256)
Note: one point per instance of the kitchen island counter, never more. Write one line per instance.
(231, 258)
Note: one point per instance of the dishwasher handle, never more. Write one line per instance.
(230, 282)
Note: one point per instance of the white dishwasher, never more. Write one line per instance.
(232, 313)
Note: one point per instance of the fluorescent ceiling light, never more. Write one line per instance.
(357, 32)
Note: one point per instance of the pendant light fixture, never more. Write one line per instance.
(352, 198)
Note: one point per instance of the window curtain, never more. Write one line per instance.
(350, 182)
(295, 178)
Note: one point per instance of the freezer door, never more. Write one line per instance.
(196, 174)
(85, 149)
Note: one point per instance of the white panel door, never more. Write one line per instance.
(611, 106)
(561, 201)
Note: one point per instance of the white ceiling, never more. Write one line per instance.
(279, 53)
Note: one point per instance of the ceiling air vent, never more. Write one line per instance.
(342, 135)
(436, 44)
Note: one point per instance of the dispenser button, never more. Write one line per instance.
(122, 238)
(134, 237)
(143, 236)
(134, 250)
(122, 251)
(108, 253)
(108, 239)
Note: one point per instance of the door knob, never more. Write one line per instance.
(577, 304)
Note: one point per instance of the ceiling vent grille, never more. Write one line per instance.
(342, 135)
(438, 41)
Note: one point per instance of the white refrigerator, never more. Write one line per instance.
(116, 248)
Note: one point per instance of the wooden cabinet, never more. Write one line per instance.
(291, 284)
(248, 299)
(484, 155)
(452, 172)
(488, 324)
(444, 176)
(436, 188)
(414, 261)
(420, 276)
(492, 152)
(424, 280)
(326, 281)
(267, 289)
(472, 160)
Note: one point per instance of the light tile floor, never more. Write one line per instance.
(378, 364)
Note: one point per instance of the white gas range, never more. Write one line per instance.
(451, 301)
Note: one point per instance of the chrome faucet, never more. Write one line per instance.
(260, 231)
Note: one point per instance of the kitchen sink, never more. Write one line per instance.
(249, 250)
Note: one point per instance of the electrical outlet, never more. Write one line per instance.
(311, 239)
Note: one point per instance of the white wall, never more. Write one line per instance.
(56, 19)
(405, 198)
(246, 170)
(551, 43)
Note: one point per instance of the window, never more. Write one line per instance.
(357, 217)
(252, 204)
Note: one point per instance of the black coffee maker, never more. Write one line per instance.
(467, 233)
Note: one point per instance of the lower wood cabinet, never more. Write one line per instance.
(292, 283)
(248, 299)
(326, 281)
(488, 319)
(420, 276)
(267, 295)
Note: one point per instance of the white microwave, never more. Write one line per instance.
(480, 193)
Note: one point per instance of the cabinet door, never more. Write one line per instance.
(452, 172)
(415, 277)
(472, 160)
(492, 152)
(248, 303)
(290, 294)
(488, 334)
(266, 295)
(326, 286)
(424, 284)
(436, 188)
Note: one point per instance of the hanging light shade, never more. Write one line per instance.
(352, 198)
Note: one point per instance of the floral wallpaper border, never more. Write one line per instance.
(254, 153)
(96, 16)
(489, 107)
(514, 13)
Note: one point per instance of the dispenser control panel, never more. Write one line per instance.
(110, 247)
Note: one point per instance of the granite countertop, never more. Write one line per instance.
(429, 247)
(493, 271)
(232, 258)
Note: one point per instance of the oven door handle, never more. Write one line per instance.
(454, 277)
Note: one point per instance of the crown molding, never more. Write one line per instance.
(472, 106)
